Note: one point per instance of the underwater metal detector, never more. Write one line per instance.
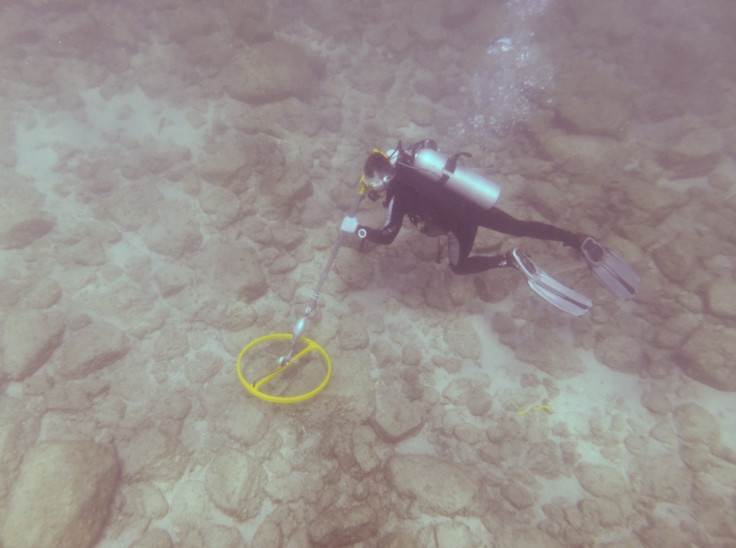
(298, 347)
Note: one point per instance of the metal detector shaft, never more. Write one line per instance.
(301, 324)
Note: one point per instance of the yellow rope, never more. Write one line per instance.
(538, 407)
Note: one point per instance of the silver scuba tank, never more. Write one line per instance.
(460, 180)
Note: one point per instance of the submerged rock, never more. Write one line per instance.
(694, 424)
(695, 153)
(152, 454)
(722, 299)
(577, 154)
(453, 535)
(547, 350)
(21, 220)
(663, 478)
(462, 339)
(592, 99)
(396, 419)
(231, 267)
(154, 538)
(175, 235)
(619, 352)
(335, 527)
(29, 338)
(440, 487)
(675, 260)
(268, 72)
(528, 538)
(234, 483)
(518, 496)
(708, 357)
(62, 496)
(91, 349)
(601, 480)
(268, 535)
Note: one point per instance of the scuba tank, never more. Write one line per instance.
(464, 182)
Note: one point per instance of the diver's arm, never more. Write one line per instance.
(388, 233)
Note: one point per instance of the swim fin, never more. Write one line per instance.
(548, 288)
(610, 269)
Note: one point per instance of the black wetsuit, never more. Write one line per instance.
(436, 211)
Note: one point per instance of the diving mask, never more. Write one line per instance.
(377, 171)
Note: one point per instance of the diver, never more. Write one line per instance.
(442, 198)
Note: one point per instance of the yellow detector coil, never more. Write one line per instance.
(309, 348)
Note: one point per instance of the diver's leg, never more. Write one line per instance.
(500, 221)
(458, 248)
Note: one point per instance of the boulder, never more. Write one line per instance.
(578, 154)
(697, 152)
(656, 401)
(543, 459)
(462, 339)
(221, 204)
(215, 534)
(694, 424)
(92, 348)
(144, 499)
(233, 269)
(425, 24)
(453, 534)
(547, 350)
(234, 483)
(365, 456)
(663, 478)
(269, 72)
(344, 527)
(440, 487)
(198, 532)
(396, 419)
(174, 235)
(152, 454)
(249, 19)
(189, 508)
(619, 352)
(459, 14)
(708, 356)
(721, 299)
(355, 269)
(675, 260)
(62, 496)
(268, 535)
(172, 278)
(421, 112)
(246, 424)
(186, 23)
(592, 99)
(595, 115)
(352, 333)
(601, 480)
(226, 164)
(28, 340)
(528, 538)
(371, 76)
(661, 534)
(133, 205)
(398, 540)
(517, 495)
(45, 294)
(154, 538)
(22, 221)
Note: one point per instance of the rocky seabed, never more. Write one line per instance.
(173, 176)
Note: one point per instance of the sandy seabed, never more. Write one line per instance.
(173, 176)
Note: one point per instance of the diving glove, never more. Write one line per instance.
(349, 224)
